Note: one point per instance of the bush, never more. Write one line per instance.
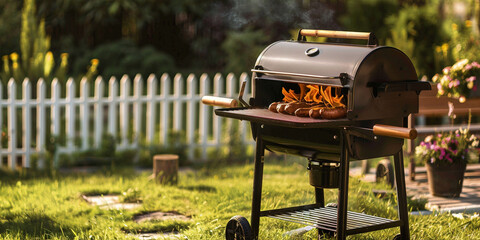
(176, 145)
(369, 16)
(242, 48)
(123, 57)
(424, 28)
(10, 17)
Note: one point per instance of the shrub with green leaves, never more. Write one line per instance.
(357, 19)
(242, 48)
(124, 57)
(36, 60)
(423, 27)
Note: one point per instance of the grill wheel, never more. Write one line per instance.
(385, 172)
(238, 228)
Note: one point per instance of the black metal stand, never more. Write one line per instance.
(401, 195)
(257, 186)
(329, 219)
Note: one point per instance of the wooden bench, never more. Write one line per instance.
(432, 106)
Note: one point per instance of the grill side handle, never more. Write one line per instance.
(372, 39)
(394, 131)
(219, 101)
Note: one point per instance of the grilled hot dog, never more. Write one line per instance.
(333, 113)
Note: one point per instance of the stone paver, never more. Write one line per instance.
(469, 200)
(161, 216)
(109, 202)
(162, 236)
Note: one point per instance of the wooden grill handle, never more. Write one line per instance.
(393, 131)
(339, 34)
(219, 101)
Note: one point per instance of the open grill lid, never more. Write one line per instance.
(333, 64)
(374, 77)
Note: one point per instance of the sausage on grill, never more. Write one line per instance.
(302, 112)
(333, 113)
(281, 107)
(273, 107)
(292, 107)
(314, 113)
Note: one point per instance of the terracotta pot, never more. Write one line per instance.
(476, 93)
(446, 181)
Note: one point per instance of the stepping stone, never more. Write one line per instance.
(110, 202)
(150, 236)
(160, 216)
(101, 199)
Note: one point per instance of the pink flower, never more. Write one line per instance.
(450, 85)
(475, 64)
(456, 82)
(468, 67)
(471, 79)
(442, 154)
(446, 70)
(439, 86)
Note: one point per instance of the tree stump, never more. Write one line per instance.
(165, 168)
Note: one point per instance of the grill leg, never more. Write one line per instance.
(257, 186)
(401, 194)
(343, 191)
(319, 199)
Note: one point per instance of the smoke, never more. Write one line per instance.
(241, 14)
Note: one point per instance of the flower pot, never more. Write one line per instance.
(446, 180)
(475, 93)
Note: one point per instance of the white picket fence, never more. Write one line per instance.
(116, 112)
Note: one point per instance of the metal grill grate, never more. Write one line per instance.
(326, 218)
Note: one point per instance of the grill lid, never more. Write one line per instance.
(334, 64)
(376, 77)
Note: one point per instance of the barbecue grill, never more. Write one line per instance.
(379, 89)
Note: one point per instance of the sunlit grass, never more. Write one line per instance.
(44, 207)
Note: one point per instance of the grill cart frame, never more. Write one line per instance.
(326, 219)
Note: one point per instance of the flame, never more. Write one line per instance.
(315, 94)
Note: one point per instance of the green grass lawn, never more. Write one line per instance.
(52, 208)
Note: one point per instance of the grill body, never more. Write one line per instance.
(380, 87)
(379, 84)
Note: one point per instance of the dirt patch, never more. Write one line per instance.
(160, 216)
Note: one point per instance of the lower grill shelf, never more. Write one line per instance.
(325, 218)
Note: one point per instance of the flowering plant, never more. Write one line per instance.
(447, 148)
(458, 80)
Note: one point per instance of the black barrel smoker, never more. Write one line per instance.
(380, 89)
